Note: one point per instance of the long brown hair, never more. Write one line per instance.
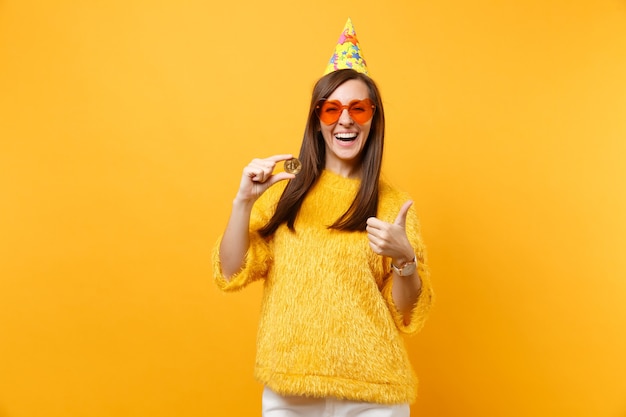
(313, 158)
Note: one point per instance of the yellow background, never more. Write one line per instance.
(124, 126)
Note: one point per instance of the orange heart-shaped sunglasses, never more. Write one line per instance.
(329, 111)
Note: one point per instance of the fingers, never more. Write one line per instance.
(281, 176)
(389, 239)
(260, 170)
(281, 157)
(401, 218)
(376, 223)
(376, 244)
(259, 175)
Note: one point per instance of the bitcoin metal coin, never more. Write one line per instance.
(293, 166)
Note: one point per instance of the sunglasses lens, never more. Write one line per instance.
(329, 111)
(361, 111)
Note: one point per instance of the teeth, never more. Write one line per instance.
(346, 136)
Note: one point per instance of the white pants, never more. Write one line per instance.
(275, 405)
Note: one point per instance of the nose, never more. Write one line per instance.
(345, 118)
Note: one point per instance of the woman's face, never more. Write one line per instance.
(346, 138)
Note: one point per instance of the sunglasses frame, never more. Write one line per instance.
(350, 106)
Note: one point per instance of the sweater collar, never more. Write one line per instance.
(331, 179)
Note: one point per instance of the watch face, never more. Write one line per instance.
(408, 269)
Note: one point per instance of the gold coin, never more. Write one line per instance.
(293, 166)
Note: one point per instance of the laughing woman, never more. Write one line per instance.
(341, 259)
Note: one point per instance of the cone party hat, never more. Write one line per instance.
(347, 52)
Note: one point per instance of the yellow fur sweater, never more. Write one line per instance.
(328, 325)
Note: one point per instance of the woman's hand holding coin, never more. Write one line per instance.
(258, 176)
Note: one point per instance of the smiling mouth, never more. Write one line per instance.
(346, 137)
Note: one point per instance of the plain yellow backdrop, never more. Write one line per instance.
(124, 126)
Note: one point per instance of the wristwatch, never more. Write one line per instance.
(406, 269)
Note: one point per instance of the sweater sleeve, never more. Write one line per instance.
(258, 258)
(425, 299)
(256, 264)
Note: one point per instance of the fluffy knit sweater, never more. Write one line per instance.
(328, 324)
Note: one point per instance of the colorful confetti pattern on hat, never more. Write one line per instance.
(347, 52)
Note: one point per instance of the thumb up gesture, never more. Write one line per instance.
(390, 239)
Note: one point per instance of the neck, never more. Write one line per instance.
(345, 170)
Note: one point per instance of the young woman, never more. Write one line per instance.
(341, 259)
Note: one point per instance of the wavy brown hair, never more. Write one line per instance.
(313, 158)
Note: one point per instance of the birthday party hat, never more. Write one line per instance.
(347, 52)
